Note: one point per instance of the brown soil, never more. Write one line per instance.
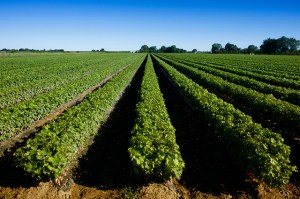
(150, 191)
(49, 191)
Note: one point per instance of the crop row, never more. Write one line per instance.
(277, 81)
(153, 149)
(55, 76)
(18, 70)
(31, 60)
(285, 67)
(14, 119)
(26, 91)
(278, 66)
(287, 94)
(22, 70)
(285, 115)
(49, 153)
(258, 150)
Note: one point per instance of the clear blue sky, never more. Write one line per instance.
(127, 25)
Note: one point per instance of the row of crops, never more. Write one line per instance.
(248, 110)
(49, 153)
(26, 102)
(258, 150)
(284, 114)
(272, 66)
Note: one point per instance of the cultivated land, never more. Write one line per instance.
(123, 125)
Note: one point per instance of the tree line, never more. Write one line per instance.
(282, 45)
(163, 49)
(30, 50)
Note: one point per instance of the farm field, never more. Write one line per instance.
(132, 125)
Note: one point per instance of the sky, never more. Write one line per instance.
(127, 25)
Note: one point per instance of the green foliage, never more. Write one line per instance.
(49, 153)
(163, 49)
(285, 115)
(231, 48)
(257, 150)
(252, 49)
(275, 70)
(216, 48)
(282, 45)
(287, 94)
(153, 149)
(144, 49)
(129, 193)
(36, 92)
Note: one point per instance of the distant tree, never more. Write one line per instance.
(294, 44)
(244, 51)
(27, 50)
(194, 50)
(56, 50)
(252, 49)
(171, 49)
(216, 48)
(174, 49)
(182, 50)
(282, 45)
(162, 49)
(231, 48)
(102, 50)
(144, 49)
(168, 50)
(153, 49)
(287, 45)
(269, 46)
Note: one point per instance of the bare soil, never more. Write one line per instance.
(47, 190)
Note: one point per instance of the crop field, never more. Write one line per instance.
(136, 125)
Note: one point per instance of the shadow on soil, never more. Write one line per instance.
(106, 164)
(294, 157)
(13, 177)
(208, 168)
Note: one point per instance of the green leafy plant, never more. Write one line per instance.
(49, 153)
(19, 116)
(153, 149)
(285, 115)
(283, 93)
(258, 150)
